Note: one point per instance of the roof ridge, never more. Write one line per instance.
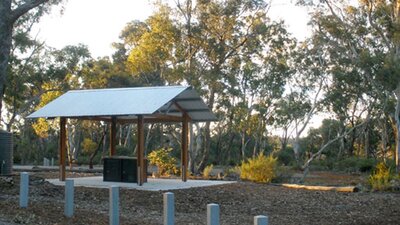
(128, 88)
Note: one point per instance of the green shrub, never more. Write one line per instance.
(260, 169)
(207, 171)
(355, 164)
(164, 161)
(286, 157)
(123, 151)
(366, 164)
(321, 165)
(88, 146)
(380, 177)
(85, 159)
(284, 174)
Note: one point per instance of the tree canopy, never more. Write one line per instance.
(265, 86)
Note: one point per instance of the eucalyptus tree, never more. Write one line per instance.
(14, 13)
(228, 48)
(53, 72)
(368, 33)
(302, 99)
(151, 47)
(221, 32)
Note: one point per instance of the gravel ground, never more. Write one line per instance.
(239, 203)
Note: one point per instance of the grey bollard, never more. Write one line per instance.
(52, 161)
(24, 190)
(169, 208)
(114, 205)
(46, 162)
(261, 220)
(212, 214)
(69, 198)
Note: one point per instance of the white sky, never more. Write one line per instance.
(98, 23)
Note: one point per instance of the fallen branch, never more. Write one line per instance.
(322, 188)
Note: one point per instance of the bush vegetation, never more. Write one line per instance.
(380, 177)
(286, 156)
(165, 163)
(207, 171)
(124, 151)
(355, 164)
(261, 169)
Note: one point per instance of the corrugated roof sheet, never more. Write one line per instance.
(128, 103)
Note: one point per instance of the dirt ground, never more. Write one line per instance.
(239, 203)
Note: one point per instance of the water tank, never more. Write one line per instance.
(6, 153)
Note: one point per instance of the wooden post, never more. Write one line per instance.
(62, 149)
(113, 134)
(140, 150)
(185, 142)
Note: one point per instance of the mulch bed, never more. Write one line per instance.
(239, 203)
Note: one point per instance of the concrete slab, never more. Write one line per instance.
(153, 184)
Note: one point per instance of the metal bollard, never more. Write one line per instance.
(260, 220)
(24, 190)
(169, 208)
(212, 214)
(69, 198)
(114, 205)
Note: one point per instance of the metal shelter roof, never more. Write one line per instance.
(164, 104)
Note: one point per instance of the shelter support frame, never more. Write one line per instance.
(62, 148)
(185, 144)
(185, 120)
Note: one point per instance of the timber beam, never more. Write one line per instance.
(62, 149)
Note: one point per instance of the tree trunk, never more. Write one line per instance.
(243, 144)
(97, 149)
(384, 138)
(78, 141)
(105, 146)
(197, 149)
(397, 131)
(306, 165)
(367, 148)
(258, 137)
(120, 134)
(127, 142)
(255, 148)
(229, 148)
(218, 148)
(207, 135)
(342, 140)
(284, 139)
(191, 149)
(70, 144)
(7, 20)
(148, 138)
(296, 148)
(5, 44)
(207, 145)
